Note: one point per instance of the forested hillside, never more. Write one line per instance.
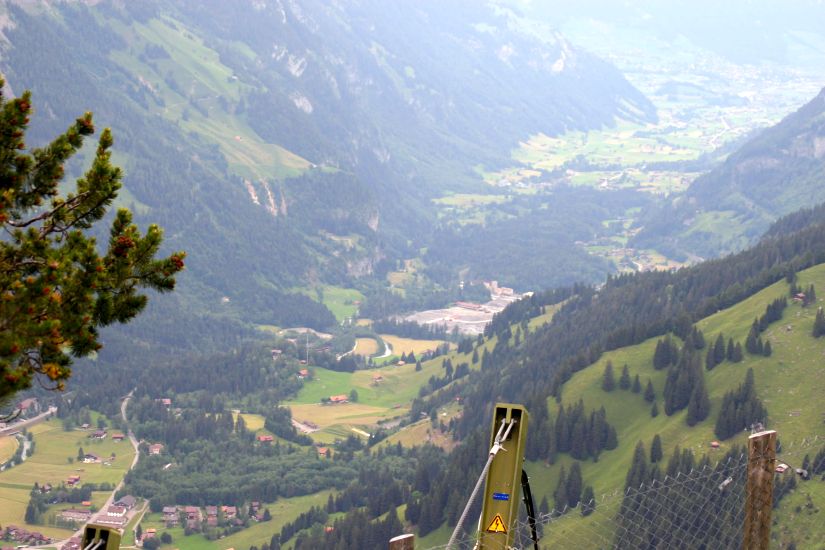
(775, 173)
(274, 154)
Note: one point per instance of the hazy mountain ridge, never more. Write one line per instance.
(775, 173)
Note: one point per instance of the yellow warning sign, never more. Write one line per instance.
(497, 525)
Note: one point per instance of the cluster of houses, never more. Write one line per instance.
(192, 517)
(24, 536)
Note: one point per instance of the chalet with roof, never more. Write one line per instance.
(342, 398)
(91, 458)
(193, 516)
(116, 511)
(127, 502)
(229, 512)
(118, 437)
(323, 452)
(165, 401)
(303, 374)
(266, 438)
(73, 481)
(112, 521)
(170, 516)
(99, 435)
(155, 448)
(75, 515)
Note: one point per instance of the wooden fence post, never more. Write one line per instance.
(403, 542)
(761, 468)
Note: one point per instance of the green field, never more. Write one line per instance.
(283, 511)
(787, 382)
(50, 464)
(377, 400)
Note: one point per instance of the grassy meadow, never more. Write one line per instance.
(789, 383)
(50, 464)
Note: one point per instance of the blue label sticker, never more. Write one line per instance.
(501, 496)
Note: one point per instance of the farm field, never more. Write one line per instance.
(50, 464)
(8, 446)
(406, 345)
(366, 346)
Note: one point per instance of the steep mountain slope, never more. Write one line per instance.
(285, 143)
(777, 172)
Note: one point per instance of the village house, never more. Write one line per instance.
(303, 373)
(165, 401)
(155, 449)
(112, 521)
(323, 452)
(170, 516)
(98, 434)
(118, 437)
(73, 481)
(75, 515)
(342, 398)
(212, 516)
(115, 511)
(229, 512)
(127, 502)
(266, 438)
(24, 536)
(91, 458)
(149, 534)
(193, 517)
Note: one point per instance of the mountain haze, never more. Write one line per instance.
(775, 173)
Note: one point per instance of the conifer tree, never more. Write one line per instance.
(624, 379)
(719, 349)
(710, 358)
(638, 468)
(573, 485)
(699, 405)
(608, 379)
(729, 353)
(588, 501)
(58, 290)
(654, 410)
(766, 349)
(560, 494)
(738, 355)
(656, 449)
(637, 385)
(819, 324)
(650, 393)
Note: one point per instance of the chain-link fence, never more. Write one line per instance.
(716, 505)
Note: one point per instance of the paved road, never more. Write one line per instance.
(28, 422)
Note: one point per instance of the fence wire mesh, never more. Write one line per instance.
(704, 508)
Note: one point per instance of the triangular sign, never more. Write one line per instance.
(497, 525)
